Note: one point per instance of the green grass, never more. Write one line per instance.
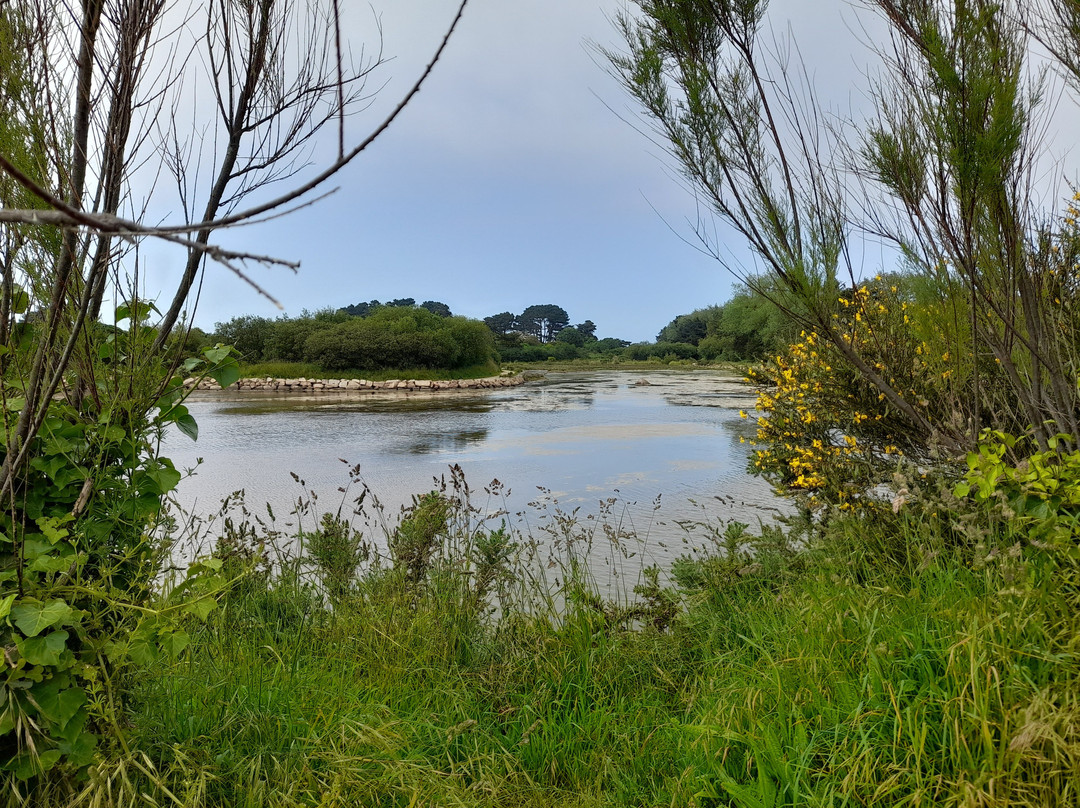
(295, 370)
(921, 671)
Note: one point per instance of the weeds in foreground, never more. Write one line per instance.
(415, 661)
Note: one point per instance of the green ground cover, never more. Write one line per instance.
(912, 660)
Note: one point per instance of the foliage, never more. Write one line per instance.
(501, 323)
(828, 434)
(543, 321)
(771, 670)
(689, 328)
(391, 336)
(571, 336)
(949, 159)
(78, 556)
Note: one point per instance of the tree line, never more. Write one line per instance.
(389, 337)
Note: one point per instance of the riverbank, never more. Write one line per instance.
(323, 386)
(883, 665)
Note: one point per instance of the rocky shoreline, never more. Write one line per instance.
(304, 385)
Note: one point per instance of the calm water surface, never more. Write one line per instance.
(576, 438)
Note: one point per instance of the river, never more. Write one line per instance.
(600, 447)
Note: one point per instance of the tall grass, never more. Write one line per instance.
(434, 661)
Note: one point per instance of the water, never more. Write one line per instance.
(593, 441)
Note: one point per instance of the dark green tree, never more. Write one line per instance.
(435, 307)
(543, 321)
(571, 336)
(501, 323)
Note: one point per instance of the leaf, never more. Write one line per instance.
(28, 764)
(44, 650)
(174, 642)
(34, 617)
(62, 706)
(200, 608)
(165, 478)
(5, 605)
(20, 300)
(227, 373)
(53, 563)
(187, 424)
(217, 354)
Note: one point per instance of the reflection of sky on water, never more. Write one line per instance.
(587, 437)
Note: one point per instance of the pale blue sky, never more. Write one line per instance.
(510, 180)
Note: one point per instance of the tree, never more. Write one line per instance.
(91, 105)
(571, 336)
(501, 323)
(946, 170)
(543, 321)
(689, 328)
(435, 307)
(588, 329)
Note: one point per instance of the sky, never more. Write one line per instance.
(515, 177)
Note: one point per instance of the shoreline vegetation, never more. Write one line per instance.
(301, 385)
(436, 657)
(910, 637)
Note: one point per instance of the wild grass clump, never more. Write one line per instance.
(440, 658)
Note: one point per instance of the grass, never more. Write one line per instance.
(427, 665)
(295, 370)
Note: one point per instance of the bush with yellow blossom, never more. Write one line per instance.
(828, 435)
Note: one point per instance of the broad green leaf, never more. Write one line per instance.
(61, 706)
(43, 650)
(28, 764)
(174, 642)
(186, 423)
(20, 301)
(217, 354)
(166, 479)
(34, 617)
(227, 373)
(5, 605)
(51, 527)
(200, 608)
(53, 563)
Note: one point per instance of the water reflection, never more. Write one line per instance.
(433, 442)
(648, 457)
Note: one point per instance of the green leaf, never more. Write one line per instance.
(5, 605)
(174, 642)
(62, 706)
(44, 650)
(200, 608)
(20, 300)
(217, 354)
(34, 617)
(28, 764)
(53, 563)
(166, 479)
(186, 423)
(227, 373)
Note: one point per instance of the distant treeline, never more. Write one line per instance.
(746, 328)
(402, 334)
(389, 337)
